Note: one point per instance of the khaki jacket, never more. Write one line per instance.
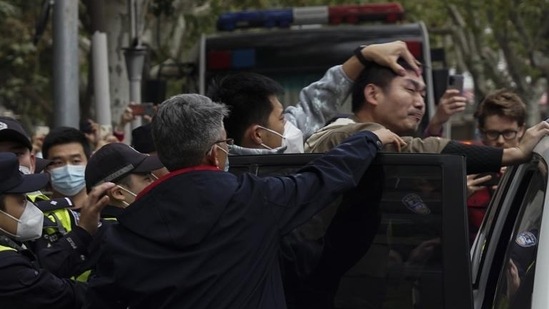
(334, 133)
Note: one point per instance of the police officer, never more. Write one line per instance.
(63, 246)
(130, 170)
(22, 282)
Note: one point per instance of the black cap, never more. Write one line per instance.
(11, 130)
(116, 160)
(13, 181)
(41, 164)
(142, 139)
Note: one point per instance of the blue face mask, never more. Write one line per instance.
(69, 179)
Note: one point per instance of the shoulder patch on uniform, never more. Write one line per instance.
(414, 202)
(526, 239)
(54, 204)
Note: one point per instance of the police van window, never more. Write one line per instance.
(403, 267)
(402, 250)
(516, 277)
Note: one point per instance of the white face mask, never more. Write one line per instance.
(29, 225)
(273, 132)
(293, 138)
(126, 204)
(226, 167)
(25, 170)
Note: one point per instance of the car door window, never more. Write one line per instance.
(413, 255)
(516, 276)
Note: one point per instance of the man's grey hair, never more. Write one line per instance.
(184, 129)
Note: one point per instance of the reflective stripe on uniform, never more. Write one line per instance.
(33, 196)
(5, 248)
(62, 218)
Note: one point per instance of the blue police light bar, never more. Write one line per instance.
(255, 19)
(323, 15)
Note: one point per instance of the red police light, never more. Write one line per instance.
(352, 14)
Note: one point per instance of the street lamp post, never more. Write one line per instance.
(135, 59)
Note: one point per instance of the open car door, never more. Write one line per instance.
(404, 245)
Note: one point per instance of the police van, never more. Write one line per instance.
(296, 46)
(419, 255)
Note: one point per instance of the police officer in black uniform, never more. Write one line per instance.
(23, 284)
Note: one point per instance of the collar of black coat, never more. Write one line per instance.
(175, 173)
(179, 212)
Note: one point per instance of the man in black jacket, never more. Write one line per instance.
(23, 284)
(203, 238)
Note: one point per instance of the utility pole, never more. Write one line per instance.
(100, 65)
(135, 58)
(65, 63)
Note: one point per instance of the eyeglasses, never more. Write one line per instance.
(228, 141)
(494, 135)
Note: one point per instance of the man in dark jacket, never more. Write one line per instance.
(203, 238)
(23, 284)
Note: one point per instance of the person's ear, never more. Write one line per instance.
(116, 194)
(372, 94)
(255, 133)
(521, 131)
(211, 157)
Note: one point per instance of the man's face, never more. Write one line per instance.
(138, 182)
(401, 106)
(24, 155)
(501, 132)
(63, 154)
(276, 123)
(223, 153)
(14, 204)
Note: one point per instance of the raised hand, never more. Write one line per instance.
(387, 54)
(93, 205)
(450, 103)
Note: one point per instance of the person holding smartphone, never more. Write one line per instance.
(501, 123)
(452, 102)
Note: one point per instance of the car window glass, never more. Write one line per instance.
(398, 240)
(478, 254)
(403, 266)
(515, 282)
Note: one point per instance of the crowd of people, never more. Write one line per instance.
(87, 221)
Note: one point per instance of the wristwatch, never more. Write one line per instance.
(360, 56)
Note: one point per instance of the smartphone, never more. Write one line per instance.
(456, 82)
(142, 109)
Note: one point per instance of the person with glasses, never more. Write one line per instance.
(203, 238)
(383, 99)
(500, 119)
(501, 123)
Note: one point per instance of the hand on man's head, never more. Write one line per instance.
(387, 54)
